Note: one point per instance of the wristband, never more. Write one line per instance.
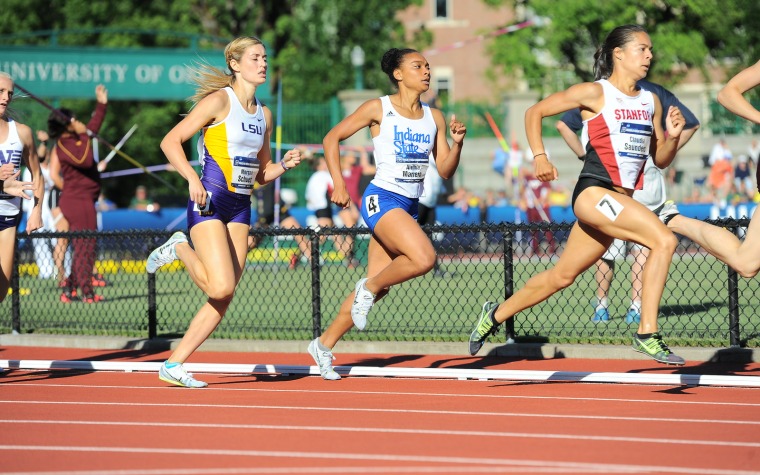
(282, 162)
(539, 154)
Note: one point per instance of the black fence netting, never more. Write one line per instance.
(295, 280)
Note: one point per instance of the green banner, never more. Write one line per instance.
(129, 74)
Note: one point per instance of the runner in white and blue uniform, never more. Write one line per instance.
(405, 132)
(622, 128)
(16, 148)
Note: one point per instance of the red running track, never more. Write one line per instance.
(110, 423)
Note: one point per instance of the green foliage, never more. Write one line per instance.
(309, 43)
(690, 33)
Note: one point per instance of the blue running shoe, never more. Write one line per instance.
(633, 316)
(601, 315)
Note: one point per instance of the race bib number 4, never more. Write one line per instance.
(372, 205)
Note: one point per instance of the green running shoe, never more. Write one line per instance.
(657, 349)
(483, 328)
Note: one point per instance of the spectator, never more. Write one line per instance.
(265, 206)
(368, 170)
(720, 151)
(743, 178)
(753, 151)
(141, 201)
(535, 202)
(720, 178)
(319, 188)
(43, 248)
(103, 203)
(349, 216)
(512, 170)
(73, 159)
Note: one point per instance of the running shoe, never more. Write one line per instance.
(98, 280)
(483, 328)
(657, 349)
(178, 376)
(94, 298)
(668, 211)
(632, 316)
(363, 302)
(601, 314)
(165, 253)
(324, 359)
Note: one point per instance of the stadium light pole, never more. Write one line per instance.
(357, 61)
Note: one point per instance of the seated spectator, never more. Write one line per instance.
(142, 202)
(743, 177)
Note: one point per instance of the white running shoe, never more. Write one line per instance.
(165, 253)
(178, 376)
(668, 211)
(363, 302)
(324, 359)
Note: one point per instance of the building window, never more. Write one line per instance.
(442, 89)
(442, 10)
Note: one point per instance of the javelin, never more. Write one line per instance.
(98, 137)
(120, 143)
(497, 132)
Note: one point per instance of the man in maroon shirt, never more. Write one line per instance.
(74, 171)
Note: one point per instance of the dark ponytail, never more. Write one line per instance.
(392, 61)
(603, 58)
(58, 122)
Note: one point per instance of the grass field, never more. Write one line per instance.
(273, 302)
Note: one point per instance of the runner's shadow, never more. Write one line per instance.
(386, 361)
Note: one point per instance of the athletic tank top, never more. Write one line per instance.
(617, 139)
(402, 150)
(228, 149)
(10, 152)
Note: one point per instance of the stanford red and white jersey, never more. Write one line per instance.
(618, 138)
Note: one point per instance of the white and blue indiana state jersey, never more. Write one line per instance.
(618, 138)
(402, 150)
(228, 149)
(11, 151)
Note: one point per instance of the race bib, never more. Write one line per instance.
(244, 171)
(372, 205)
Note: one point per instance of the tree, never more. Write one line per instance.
(686, 34)
(309, 43)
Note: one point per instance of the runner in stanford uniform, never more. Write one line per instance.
(622, 126)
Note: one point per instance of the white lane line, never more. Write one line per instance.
(501, 464)
(391, 411)
(347, 392)
(392, 430)
(680, 379)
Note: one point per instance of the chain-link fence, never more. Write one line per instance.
(295, 281)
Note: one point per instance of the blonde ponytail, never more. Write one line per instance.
(209, 79)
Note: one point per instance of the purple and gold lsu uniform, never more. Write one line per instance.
(228, 152)
(402, 152)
